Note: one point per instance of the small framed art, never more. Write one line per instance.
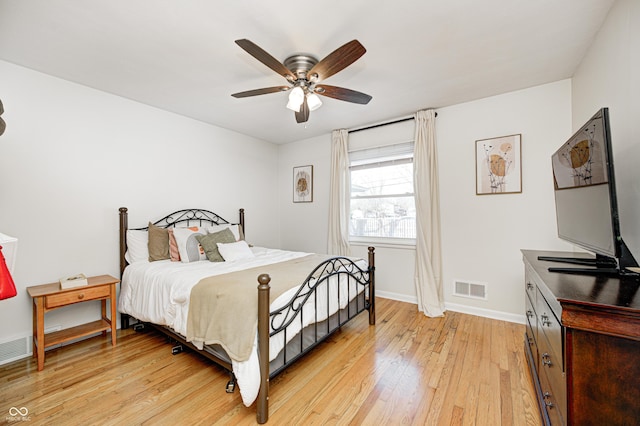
(498, 165)
(303, 184)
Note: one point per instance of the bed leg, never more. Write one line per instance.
(177, 349)
(262, 414)
(231, 384)
(124, 321)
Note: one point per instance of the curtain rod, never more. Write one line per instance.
(384, 124)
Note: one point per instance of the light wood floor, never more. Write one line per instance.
(408, 369)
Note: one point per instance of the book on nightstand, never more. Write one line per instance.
(77, 280)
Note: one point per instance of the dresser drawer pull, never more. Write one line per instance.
(529, 286)
(546, 396)
(81, 296)
(545, 320)
(546, 359)
(529, 313)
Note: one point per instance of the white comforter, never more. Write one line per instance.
(158, 292)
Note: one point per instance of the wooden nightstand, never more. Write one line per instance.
(48, 297)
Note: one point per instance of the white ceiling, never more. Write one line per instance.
(180, 55)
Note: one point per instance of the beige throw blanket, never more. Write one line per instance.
(223, 309)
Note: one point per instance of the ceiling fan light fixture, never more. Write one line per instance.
(313, 101)
(296, 97)
(303, 73)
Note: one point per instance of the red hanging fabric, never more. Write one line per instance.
(7, 286)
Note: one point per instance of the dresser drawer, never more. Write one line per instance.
(549, 326)
(76, 295)
(530, 285)
(553, 407)
(550, 366)
(530, 313)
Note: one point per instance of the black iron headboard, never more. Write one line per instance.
(186, 217)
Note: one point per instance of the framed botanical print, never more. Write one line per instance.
(498, 165)
(303, 184)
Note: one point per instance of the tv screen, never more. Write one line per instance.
(584, 183)
(585, 196)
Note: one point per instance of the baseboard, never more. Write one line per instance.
(464, 309)
(486, 313)
(397, 296)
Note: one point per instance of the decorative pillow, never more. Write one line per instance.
(235, 251)
(209, 243)
(158, 243)
(188, 246)
(174, 253)
(235, 229)
(137, 246)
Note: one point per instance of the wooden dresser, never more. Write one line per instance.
(583, 344)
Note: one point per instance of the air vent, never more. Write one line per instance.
(15, 349)
(470, 289)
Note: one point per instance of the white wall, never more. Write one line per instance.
(482, 235)
(71, 156)
(609, 76)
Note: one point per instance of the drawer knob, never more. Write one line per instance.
(81, 296)
(529, 286)
(529, 313)
(546, 359)
(545, 320)
(546, 396)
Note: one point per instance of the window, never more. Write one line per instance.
(382, 200)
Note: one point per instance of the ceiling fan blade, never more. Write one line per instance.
(257, 52)
(3, 126)
(343, 94)
(262, 91)
(1, 107)
(337, 60)
(303, 115)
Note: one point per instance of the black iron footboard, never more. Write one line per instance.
(353, 287)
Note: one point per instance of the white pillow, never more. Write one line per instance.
(137, 246)
(235, 229)
(188, 246)
(235, 251)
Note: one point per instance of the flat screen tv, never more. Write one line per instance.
(586, 201)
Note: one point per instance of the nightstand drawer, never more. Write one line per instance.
(76, 295)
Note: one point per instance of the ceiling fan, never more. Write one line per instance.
(304, 72)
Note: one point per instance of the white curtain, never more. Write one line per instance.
(428, 272)
(339, 196)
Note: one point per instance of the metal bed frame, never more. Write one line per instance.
(309, 337)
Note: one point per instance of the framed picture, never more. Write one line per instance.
(303, 184)
(499, 165)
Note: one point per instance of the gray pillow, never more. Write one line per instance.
(209, 243)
